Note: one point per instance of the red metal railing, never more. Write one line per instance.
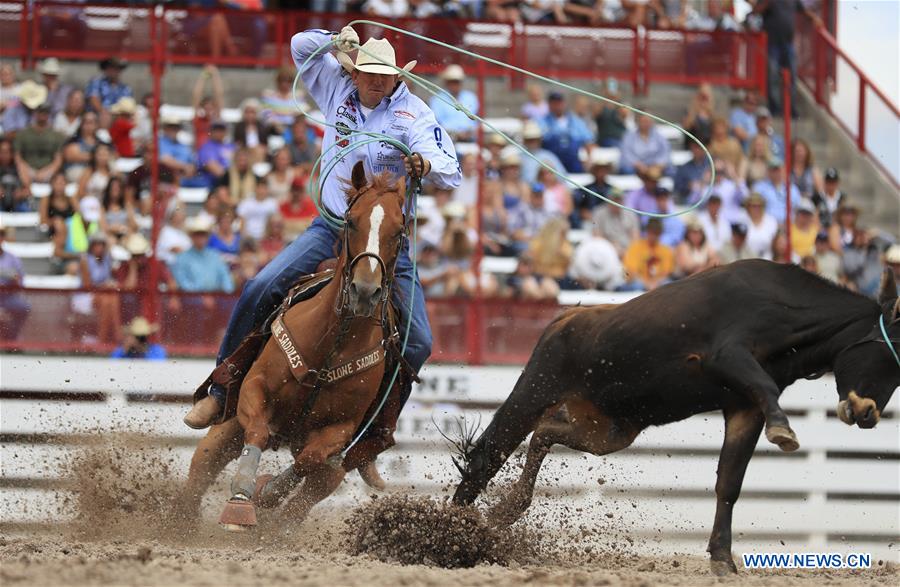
(70, 321)
(188, 36)
(850, 97)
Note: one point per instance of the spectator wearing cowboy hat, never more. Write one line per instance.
(458, 124)
(20, 114)
(644, 198)
(531, 138)
(38, 148)
(105, 90)
(135, 273)
(57, 92)
(772, 189)
(122, 125)
(201, 269)
(175, 155)
(583, 202)
(137, 343)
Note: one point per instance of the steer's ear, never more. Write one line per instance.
(888, 290)
(358, 177)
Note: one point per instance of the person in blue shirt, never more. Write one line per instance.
(773, 191)
(672, 226)
(644, 149)
(105, 90)
(742, 119)
(176, 156)
(137, 344)
(458, 124)
(565, 133)
(200, 268)
(531, 138)
(689, 176)
(214, 157)
(365, 95)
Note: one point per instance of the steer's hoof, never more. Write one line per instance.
(239, 514)
(722, 568)
(784, 437)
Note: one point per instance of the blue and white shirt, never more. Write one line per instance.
(402, 116)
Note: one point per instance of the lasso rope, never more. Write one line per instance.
(315, 188)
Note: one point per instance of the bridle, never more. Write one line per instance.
(342, 301)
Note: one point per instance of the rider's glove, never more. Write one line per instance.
(347, 39)
(416, 165)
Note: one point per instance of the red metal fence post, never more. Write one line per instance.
(861, 134)
(159, 38)
(788, 154)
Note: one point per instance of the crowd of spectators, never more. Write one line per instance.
(60, 153)
(97, 214)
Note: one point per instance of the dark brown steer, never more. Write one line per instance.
(731, 339)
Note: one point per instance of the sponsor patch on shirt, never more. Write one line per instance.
(404, 114)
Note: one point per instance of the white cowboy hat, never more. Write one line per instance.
(453, 73)
(140, 326)
(31, 94)
(136, 244)
(531, 130)
(49, 66)
(375, 56)
(198, 223)
(125, 105)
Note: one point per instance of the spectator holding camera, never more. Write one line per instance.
(137, 343)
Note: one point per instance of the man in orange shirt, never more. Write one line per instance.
(648, 262)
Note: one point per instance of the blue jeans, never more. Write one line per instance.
(782, 56)
(263, 293)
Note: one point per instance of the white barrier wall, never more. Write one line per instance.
(839, 492)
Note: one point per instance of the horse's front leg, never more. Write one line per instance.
(253, 413)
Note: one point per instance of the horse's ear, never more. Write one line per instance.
(888, 290)
(401, 188)
(358, 177)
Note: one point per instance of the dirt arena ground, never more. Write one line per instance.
(314, 555)
(127, 533)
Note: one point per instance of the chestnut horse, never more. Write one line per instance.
(319, 375)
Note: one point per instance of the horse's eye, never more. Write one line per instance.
(350, 224)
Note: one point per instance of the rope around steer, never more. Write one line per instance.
(414, 187)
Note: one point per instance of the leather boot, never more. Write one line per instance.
(203, 413)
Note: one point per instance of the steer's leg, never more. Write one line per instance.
(580, 426)
(742, 428)
(739, 371)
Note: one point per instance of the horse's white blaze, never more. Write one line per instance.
(374, 229)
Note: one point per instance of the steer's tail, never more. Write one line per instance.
(535, 391)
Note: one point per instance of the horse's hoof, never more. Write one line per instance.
(784, 437)
(258, 497)
(239, 514)
(371, 476)
(722, 568)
